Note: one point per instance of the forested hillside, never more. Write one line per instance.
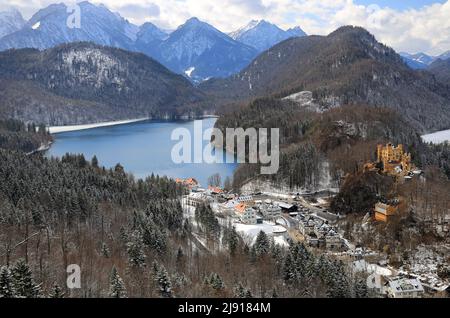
(131, 239)
(348, 66)
(83, 83)
(441, 69)
(15, 135)
(345, 137)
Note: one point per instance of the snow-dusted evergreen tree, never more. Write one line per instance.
(180, 280)
(231, 239)
(6, 283)
(216, 282)
(262, 244)
(241, 292)
(23, 282)
(361, 290)
(338, 284)
(155, 269)
(289, 274)
(116, 285)
(56, 292)
(164, 283)
(105, 251)
(135, 250)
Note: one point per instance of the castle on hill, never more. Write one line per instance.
(391, 160)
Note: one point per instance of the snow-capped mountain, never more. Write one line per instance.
(444, 56)
(263, 35)
(196, 49)
(296, 32)
(148, 32)
(418, 60)
(200, 51)
(10, 22)
(50, 27)
(422, 60)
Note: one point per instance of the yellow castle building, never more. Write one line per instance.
(395, 160)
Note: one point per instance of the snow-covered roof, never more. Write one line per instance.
(406, 285)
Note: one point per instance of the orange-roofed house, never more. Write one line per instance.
(191, 183)
(215, 190)
(246, 214)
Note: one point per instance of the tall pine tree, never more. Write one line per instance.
(23, 282)
(6, 283)
(116, 285)
(164, 283)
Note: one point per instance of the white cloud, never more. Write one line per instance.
(422, 29)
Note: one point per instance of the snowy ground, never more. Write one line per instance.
(438, 137)
(250, 232)
(61, 129)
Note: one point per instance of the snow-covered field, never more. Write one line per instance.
(61, 129)
(250, 232)
(437, 137)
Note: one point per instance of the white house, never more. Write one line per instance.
(246, 215)
(404, 288)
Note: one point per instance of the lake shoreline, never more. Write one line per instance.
(143, 149)
(70, 128)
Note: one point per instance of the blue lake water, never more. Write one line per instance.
(141, 148)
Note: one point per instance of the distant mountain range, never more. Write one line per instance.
(196, 49)
(84, 83)
(10, 22)
(200, 51)
(262, 35)
(441, 69)
(420, 61)
(346, 67)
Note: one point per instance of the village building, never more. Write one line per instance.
(247, 199)
(318, 233)
(286, 207)
(215, 190)
(190, 183)
(404, 288)
(383, 212)
(197, 199)
(246, 214)
(270, 211)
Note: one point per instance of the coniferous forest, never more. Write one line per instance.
(58, 212)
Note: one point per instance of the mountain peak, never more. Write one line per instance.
(193, 21)
(196, 23)
(11, 21)
(262, 34)
(296, 32)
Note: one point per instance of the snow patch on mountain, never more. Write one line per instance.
(189, 71)
(78, 64)
(36, 25)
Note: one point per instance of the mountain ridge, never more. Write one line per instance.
(346, 67)
(94, 82)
